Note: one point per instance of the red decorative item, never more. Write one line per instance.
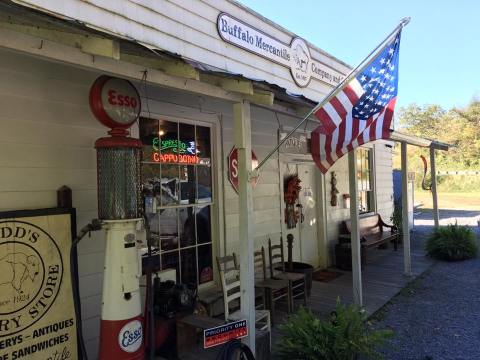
(233, 168)
(291, 194)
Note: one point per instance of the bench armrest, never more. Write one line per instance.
(382, 224)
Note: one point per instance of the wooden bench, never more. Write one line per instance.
(373, 231)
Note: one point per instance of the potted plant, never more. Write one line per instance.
(344, 336)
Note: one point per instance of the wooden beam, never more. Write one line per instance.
(433, 172)
(230, 84)
(54, 51)
(355, 232)
(261, 97)
(407, 261)
(243, 143)
(88, 44)
(302, 110)
(171, 67)
(237, 85)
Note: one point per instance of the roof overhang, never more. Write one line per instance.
(418, 141)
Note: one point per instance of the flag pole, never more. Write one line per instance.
(360, 67)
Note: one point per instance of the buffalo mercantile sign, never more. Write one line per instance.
(295, 56)
(37, 317)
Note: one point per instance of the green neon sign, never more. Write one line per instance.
(174, 145)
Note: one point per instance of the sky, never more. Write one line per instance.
(440, 47)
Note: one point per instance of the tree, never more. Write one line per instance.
(459, 127)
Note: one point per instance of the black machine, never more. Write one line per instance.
(170, 298)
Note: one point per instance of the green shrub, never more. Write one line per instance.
(396, 217)
(344, 336)
(452, 243)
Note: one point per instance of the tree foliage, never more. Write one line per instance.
(459, 127)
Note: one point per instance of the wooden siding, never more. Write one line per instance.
(47, 141)
(189, 28)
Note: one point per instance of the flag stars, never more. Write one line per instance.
(363, 78)
(373, 70)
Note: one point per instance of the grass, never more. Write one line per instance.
(449, 200)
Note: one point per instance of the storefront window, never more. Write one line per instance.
(364, 177)
(177, 186)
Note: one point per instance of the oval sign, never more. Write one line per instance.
(115, 102)
(130, 337)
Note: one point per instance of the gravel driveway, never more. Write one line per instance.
(438, 316)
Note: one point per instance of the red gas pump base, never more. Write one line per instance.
(122, 339)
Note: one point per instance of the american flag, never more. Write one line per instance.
(361, 112)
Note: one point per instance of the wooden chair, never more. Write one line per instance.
(230, 278)
(274, 289)
(296, 281)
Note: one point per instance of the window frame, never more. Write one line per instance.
(213, 203)
(371, 191)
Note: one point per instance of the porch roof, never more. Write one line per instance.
(418, 141)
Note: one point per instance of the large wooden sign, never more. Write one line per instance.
(37, 316)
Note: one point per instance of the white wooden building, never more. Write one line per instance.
(197, 65)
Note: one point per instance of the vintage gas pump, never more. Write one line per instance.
(116, 104)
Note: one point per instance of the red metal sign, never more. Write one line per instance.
(114, 102)
(224, 333)
(233, 168)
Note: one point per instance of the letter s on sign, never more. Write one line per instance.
(235, 168)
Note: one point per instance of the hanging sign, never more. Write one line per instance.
(224, 333)
(233, 168)
(37, 316)
(295, 56)
(115, 102)
(297, 143)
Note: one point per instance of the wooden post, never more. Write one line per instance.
(355, 234)
(433, 172)
(242, 132)
(290, 252)
(407, 262)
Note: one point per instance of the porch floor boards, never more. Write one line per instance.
(382, 279)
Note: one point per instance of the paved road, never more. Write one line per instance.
(438, 317)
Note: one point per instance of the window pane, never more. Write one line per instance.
(203, 142)
(165, 145)
(169, 184)
(169, 228)
(171, 261)
(187, 149)
(369, 172)
(205, 268)
(204, 174)
(189, 266)
(187, 226)
(188, 185)
(151, 181)
(203, 224)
